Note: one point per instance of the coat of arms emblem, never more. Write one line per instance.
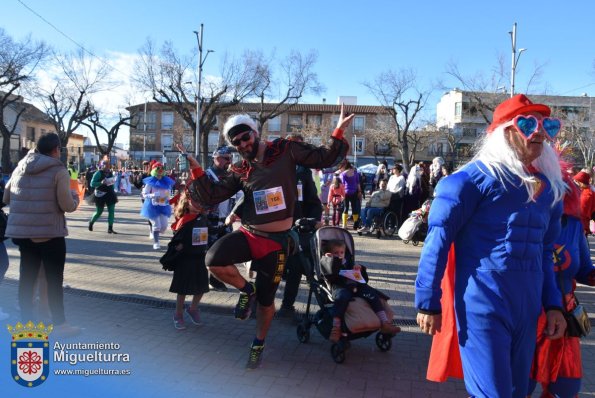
(29, 353)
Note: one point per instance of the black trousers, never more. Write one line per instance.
(295, 269)
(53, 255)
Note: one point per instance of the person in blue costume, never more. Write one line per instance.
(156, 206)
(557, 364)
(501, 212)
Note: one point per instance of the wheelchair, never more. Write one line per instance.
(384, 224)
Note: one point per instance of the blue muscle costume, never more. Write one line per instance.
(504, 273)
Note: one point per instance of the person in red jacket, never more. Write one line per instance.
(582, 179)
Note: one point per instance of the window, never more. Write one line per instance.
(150, 142)
(294, 123)
(359, 145)
(167, 141)
(359, 123)
(334, 121)
(31, 133)
(167, 120)
(213, 141)
(458, 109)
(274, 124)
(382, 148)
(468, 132)
(151, 120)
(314, 120)
(185, 125)
(136, 142)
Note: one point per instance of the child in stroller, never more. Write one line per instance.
(359, 319)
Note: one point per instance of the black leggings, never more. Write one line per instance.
(233, 248)
(352, 199)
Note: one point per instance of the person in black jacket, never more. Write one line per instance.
(308, 205)
(190, 242)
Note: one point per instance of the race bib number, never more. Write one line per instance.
(269, 200)
(200, 236)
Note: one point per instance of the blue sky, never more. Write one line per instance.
(355, 40)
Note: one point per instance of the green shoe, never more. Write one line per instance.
(244, 306)
(255, 357)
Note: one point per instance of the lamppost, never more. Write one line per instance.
(355, 150)
(145, 133)
(515, 57)
(201, 61)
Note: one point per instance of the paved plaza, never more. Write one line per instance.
(117, 291)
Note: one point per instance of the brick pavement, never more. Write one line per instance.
(118, 293)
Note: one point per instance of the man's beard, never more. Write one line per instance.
(251, 154)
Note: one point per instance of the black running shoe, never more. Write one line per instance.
(244, 306)
(255, 357)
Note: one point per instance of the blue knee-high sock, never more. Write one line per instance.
(156, 236)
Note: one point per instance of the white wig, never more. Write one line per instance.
(503, 162)
(412, 178)
(238, 119)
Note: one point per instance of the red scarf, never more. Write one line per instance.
(179, 223)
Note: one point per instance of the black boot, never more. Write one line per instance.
(90, 226)
(110, 230)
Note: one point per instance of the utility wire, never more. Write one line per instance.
(102, 60)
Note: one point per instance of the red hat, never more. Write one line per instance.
(517, 105)
(156, 164)
(583, 177)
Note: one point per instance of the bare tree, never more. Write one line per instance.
(68, 100)
(397, 90)
(18, 63)
(382, 137)
(285, 84)
(577, 132)
(95, 125)
(171, 80)
(489, 90)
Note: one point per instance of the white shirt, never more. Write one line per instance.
(396, 184)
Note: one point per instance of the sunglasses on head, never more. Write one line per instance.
(529, 125)
(244, 138)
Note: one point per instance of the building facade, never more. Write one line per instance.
(157, 131)
(463, 117)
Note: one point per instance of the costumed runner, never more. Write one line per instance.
(557, 364)
(103, 182)
(156, 207)
(502, 213)
(267, 177)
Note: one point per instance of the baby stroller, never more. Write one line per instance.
(359, 321)
(415, 228)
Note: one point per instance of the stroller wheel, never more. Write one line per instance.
(338, 353)
(415, 242)
(406, 241)
(303, 333)
(384, 341)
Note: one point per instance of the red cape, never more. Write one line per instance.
(445, 358)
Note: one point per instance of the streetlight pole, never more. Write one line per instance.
(355, 150)
(201, 61)
(145, 133)
(515, 58)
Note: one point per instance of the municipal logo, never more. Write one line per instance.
(29, 353)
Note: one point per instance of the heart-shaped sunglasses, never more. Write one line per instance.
(529, 125)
